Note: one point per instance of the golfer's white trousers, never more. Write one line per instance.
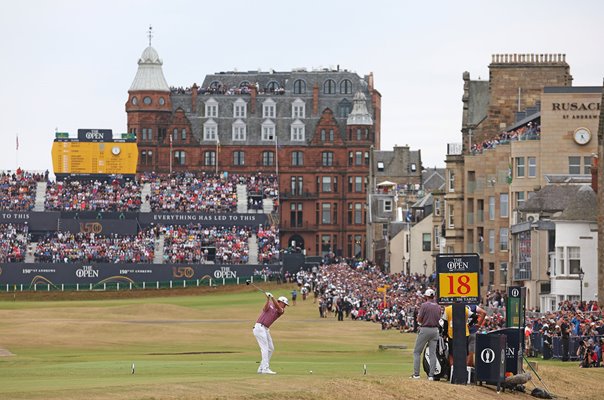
(263, 336)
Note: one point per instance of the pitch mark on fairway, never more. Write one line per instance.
(193, 352)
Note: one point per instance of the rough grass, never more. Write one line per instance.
(198, 344)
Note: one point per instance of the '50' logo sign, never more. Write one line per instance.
(183, 272)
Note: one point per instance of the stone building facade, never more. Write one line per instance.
(514, 138)
(313, 130)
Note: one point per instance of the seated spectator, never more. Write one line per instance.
(75, 195)
(13, 242)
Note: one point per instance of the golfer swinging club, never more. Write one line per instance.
(272, 310)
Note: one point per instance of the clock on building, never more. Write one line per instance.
(582, 136)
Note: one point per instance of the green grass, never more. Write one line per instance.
(191, 347)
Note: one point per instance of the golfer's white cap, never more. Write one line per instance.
(283, 300)
(429, 293)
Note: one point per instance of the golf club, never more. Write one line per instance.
(248, 282)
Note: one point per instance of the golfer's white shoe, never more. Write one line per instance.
(269, 372)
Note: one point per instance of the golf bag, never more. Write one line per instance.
(442, 369)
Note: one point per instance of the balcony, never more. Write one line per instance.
(522, 271)
(291, 226)
(298, 195)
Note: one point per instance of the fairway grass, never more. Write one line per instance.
(202, 347)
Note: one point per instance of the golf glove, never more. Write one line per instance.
(269, 294)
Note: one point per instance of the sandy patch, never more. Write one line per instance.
(5, 353)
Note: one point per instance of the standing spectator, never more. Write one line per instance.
(294, 296)
(565, 333)
(428, 316)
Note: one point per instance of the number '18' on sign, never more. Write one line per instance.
(458, 284)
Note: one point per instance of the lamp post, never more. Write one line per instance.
(425, 266)
(581, 276)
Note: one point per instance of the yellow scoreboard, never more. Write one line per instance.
(72, 156)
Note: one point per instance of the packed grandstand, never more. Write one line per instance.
(158, 243)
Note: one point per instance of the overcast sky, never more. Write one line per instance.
(69, 64)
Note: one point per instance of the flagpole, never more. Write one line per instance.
(17, 152)
(277, 169)
(217, 151)
(170, 154)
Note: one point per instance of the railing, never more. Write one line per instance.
(522, 272)
(298, 195)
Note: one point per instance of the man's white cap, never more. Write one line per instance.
(429, 293)
(283, 300)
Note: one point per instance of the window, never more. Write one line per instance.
(326, 184)
(297, 131)
(299, 87)
(209, 158)
(503, 273)
(210, 130)
(358, 184)
(298, 109)
(451, 181)
(532, 167)
(268, 130)
(296, 185)
(491, 241)
(329, 87)
(574, 165)
(503, 239)
(175, 134)
(268, 158)
(295, 215)
(436, 236)
(239, 130)
(268, 109)
(560, 260)
(519, 167)
(183, 134)
(358, 213)
(358, 158)
(297, 158)
(491, 273)
(239, 158)
(244, 84)
(387, 206)
(327, 158)
(147, 157)
(503, 205)
(519, 199)
(359, 134)
(491, 208)
(147, 134)
(358, 249)
(587, 165)
(325, 244)
(366, 158)
(331, 135)
(326, 213)
(272, 86)
(344, 108)
(211, 108)
(437, 207)
(574, 260)
(380, 166)
(450, 216)
(346, 87)
(239, 109)
(179, 157)
(426, 242)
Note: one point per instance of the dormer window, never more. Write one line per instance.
(211, 108)
(239, 109)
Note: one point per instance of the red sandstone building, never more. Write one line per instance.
(312, 129)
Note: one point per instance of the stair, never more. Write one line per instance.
(159, 250)
(40, 196)
(146, 191)
(252, 244)
(267, 206)
(242, 199)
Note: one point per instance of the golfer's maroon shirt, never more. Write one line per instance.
(267, 318)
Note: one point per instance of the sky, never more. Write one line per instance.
(67, 64)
